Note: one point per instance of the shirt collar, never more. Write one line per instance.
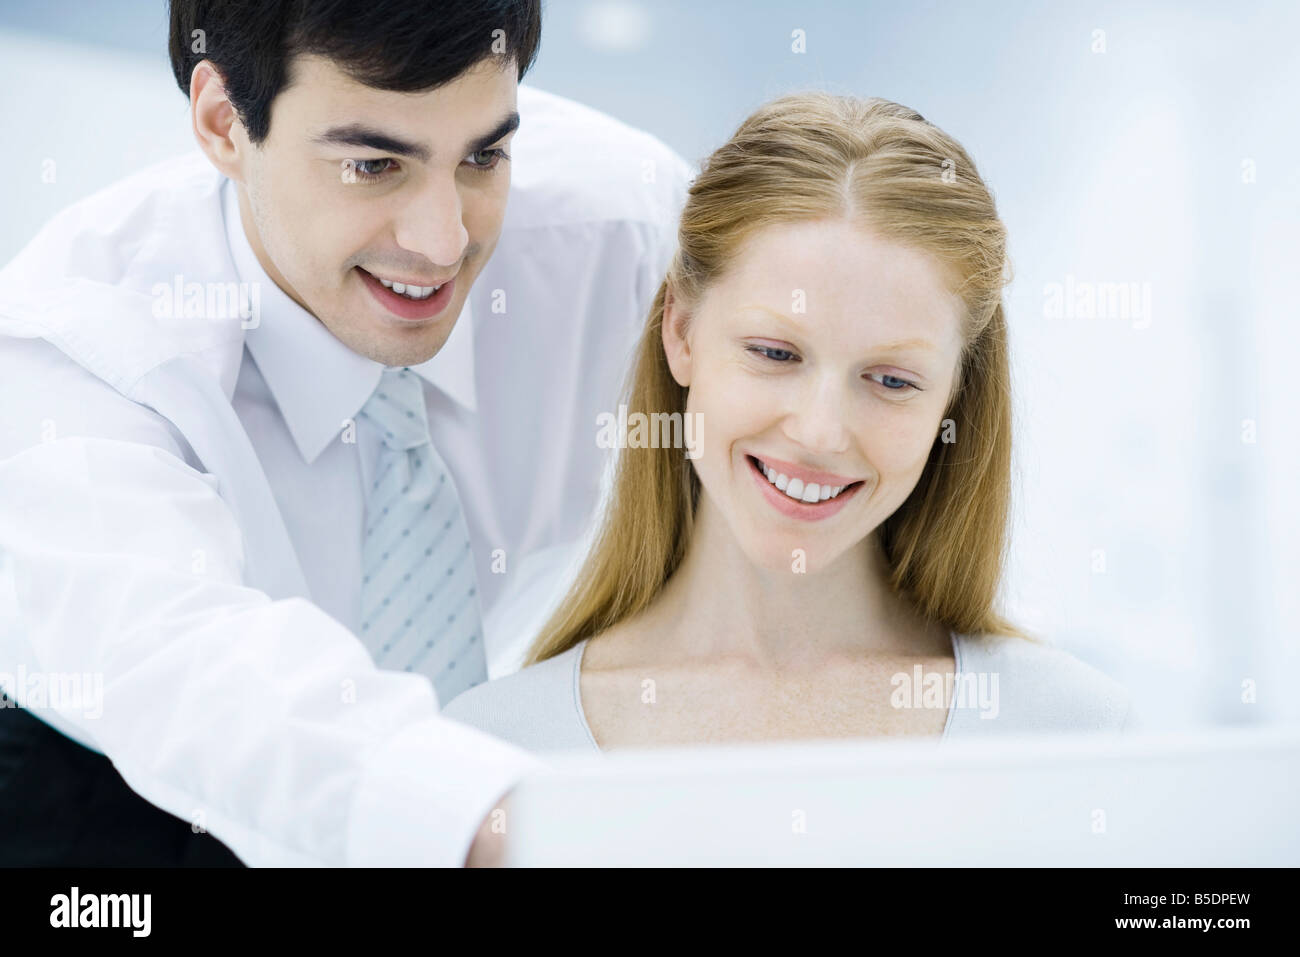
(316, 380)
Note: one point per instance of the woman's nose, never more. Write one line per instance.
(817, 419)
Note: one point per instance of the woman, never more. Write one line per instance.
(826, 560)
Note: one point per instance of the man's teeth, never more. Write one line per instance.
(410, 292)
(796, 489)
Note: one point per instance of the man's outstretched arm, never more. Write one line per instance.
(264, 722)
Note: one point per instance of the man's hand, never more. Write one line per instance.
(489, 847)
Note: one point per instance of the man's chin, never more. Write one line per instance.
(398, 346)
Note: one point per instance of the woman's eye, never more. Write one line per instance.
(776, 355)
(895, 384)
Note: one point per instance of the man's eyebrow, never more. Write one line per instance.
(898, 345)
(508, 124)
(367, 137)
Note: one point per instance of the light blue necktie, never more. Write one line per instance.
(419, 595)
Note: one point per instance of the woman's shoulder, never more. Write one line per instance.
(536, 707)
(1017, 685)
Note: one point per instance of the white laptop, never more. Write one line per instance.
(1219, 798)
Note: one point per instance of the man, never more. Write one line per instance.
(280, 419)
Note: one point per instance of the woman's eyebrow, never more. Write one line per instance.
(368, 137)
(914, 344)
(907, 345)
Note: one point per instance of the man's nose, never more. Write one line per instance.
(433, 223)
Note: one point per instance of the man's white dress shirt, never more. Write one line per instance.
(181, 497)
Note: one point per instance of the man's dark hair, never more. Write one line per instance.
(401, 45)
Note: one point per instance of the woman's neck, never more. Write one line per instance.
(720, 605)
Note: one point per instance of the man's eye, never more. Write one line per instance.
(366, 171)
(768, 352)
(494, 158)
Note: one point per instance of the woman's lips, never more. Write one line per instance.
(806, 511)
(412, 310)
(806, 475)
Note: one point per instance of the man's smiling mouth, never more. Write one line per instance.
(407, 289)
(408, 301)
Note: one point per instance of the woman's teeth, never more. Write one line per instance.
(410, 292)
(796, 489)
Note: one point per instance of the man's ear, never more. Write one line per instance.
(677, 346)
(216, 125)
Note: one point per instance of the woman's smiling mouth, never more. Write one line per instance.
(797, 498)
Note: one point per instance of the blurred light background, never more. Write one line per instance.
(1149, 145)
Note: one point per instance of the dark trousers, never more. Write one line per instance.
(64, 805)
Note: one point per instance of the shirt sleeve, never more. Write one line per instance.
(263, 722)
(661, 243)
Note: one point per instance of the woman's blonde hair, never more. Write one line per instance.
(807, 157)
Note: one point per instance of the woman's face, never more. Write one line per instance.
(824, 357)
